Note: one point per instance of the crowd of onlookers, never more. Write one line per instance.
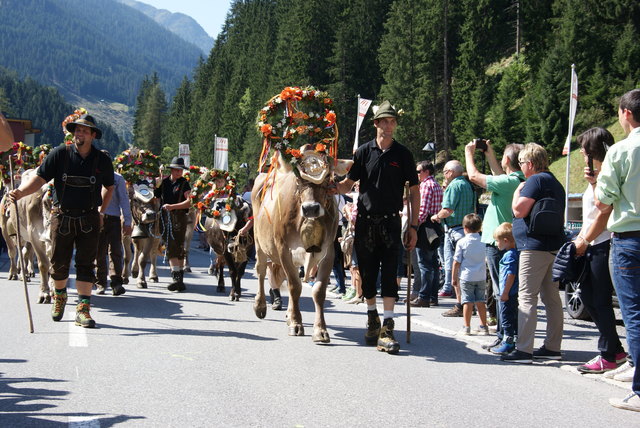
(516, 241)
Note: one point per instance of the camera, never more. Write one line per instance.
(481, 144)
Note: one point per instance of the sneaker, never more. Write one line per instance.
(334, 289)
(386, 342)
(630, 402)
(356, 300)
(373, 328)
(456, 311)
(503, 348)
(543, 353)
(59, 302)
(420, 303)
(465, 331)
(517, 356)
(621, 369)
(445, 294)
(492, 321)
(597, 365)
(482, 330)
(488, 346)
(350, 294)
(625, 376)
(83, 317)
(621, 357)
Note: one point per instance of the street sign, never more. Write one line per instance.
(429, 147)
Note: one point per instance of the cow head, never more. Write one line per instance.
(144, 207)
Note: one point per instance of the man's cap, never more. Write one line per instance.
(385, 110)
(85, 120)
(177, 163)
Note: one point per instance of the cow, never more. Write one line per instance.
(295, 224)
(191, 222)
(230, 247)
(146, 234)
(34, 212)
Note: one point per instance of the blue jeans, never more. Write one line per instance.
(428, 265)
(451, 237)
(493, 256)
(508, 312)
(624, 264)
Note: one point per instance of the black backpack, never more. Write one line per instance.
(546, 217)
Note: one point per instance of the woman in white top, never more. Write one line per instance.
(593, 241)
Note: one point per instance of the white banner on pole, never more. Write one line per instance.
(363, 107)
(573, 106)
(184, 153)
(221, 154)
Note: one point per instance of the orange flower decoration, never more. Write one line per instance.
(331, 118)
(300, 115)
(227, 207)
(200, 206)
(320, 147)
(216, 213)
(301, 130)
(296, 153)
(290, 93)
(266, 129)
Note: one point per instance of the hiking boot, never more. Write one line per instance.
(83, 317)
(373, 328)
(543, 353)
(177, 284)
(597, 365)
(456, 311)
(59, 302)
(276, 299)
(386, 342)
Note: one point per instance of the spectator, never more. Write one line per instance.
(501, 186)
(469, 274)
(539, 233)
(458, 200)
(507, 295)
(430, 203)
(617, 190)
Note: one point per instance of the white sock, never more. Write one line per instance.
(388, 314)
(371, 307)
(175, 268)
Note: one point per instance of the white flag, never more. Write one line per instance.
(363, 107)
(573, 106)
(221, 154)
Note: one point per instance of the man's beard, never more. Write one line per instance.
(79, 142)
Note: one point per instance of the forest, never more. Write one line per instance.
(497, 69)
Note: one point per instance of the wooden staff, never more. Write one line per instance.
(407, 195)
(23, 266)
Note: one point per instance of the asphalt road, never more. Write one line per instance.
(195, 359)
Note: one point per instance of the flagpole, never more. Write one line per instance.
(355, 141)
(215, 155)
(567, 146)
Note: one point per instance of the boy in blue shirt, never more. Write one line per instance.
(470, 272)
(508, 303)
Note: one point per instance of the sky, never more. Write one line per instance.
(210, 14)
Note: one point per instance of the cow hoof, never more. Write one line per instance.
(13, 276)
(234, 297)
(153, 279)
(321, 336)
(187, 269)
(41, 299)
(296, 330)
(125, 280)
(260, 310)
(47, 298)
(142, 284)
(220, 289)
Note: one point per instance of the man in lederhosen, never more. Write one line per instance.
(174, 193)
(83, 181)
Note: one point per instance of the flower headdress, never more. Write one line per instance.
(22, 157)
(296, 117)
(204, 191)
(135, 164)
(68, 136)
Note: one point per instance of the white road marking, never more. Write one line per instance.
(83, 422)
(77, 334)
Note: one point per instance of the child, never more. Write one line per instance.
(508, 303)
(470, 272)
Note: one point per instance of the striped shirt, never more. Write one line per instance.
(430, 198)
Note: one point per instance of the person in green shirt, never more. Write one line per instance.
(505, 178)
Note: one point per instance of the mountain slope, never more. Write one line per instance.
(100, 50)
(178, 23)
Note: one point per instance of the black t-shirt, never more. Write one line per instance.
(53, 167)
(382, 176)
(172, 192)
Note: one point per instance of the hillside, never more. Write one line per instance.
(178, 23)
(98, 53)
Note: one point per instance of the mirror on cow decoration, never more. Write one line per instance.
(213, 194)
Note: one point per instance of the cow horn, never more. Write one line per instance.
(139, 232)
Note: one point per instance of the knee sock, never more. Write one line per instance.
(84, 299)
(372, 307)
(61, 291)
(175, 269)
(388, 314)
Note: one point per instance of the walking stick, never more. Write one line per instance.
(406, 192)
(23, 266)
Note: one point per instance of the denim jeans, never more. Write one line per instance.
(624, 264)
(508, 312)
(493, 256)
(428, 265)
(451, 237)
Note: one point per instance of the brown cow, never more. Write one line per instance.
(146, 235)
(295, 223)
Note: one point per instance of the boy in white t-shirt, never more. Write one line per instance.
(470, 272)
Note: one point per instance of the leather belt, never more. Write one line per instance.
(631, 234)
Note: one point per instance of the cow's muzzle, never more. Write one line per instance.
(149, 216)
(312, 210)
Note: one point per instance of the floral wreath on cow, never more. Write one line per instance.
(135, 164)
(300, 125)
(68, 136)
(204, 192)
(41, 152)
(23, 159)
